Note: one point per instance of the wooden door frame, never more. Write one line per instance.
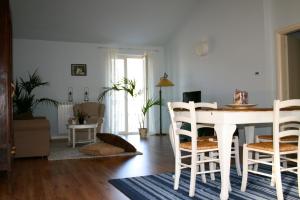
(282, 60)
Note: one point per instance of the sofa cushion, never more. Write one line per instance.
(101, 149)
(31, 124)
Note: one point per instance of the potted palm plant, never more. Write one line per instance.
(25, 101)
(145, 109)
(126, 85)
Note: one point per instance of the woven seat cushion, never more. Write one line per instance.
(201, 145)
(268, 146)
(286, 139)
(211, 138)
(101, 149)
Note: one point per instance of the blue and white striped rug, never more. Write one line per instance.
(161, 187)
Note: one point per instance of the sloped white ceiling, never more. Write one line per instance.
(131, 22)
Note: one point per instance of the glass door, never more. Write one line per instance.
(129, 108)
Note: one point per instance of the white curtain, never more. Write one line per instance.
(111, 120)
(152, 65)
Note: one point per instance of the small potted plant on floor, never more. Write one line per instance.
(145, 109)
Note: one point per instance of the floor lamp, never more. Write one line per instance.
(163, 82)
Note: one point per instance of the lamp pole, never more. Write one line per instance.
(163, 82)
(160, 121)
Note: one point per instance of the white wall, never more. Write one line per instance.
(282, 14)
(285, 13)
(239, 45)
(236, 38)
(53, 60)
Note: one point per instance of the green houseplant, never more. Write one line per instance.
(25, 101)
(145, 109)
(81, 116)
(125, 84)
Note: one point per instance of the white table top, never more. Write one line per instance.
(82, 126)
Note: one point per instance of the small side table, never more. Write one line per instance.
(72, 130)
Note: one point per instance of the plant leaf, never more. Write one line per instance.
(124, 84)
(24, 101)
(149, 103)
(44, 101)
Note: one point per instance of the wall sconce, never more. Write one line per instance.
(86, 94)
(201, 48)
(70, 94)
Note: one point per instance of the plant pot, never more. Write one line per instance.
(143, 132)
(80, 120)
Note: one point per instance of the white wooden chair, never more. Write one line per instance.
(195, 149)
(235, 148)
(276, 149)
(269, 138)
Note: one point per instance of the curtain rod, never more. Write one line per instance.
(128, 48)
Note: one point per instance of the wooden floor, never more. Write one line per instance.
(85, 179)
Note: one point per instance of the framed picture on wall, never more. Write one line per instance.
(78, 69)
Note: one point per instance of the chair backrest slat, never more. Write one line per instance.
(289, 119)
(286, 123)
(206, 105)
(287, 126)
(183, 132)
(289, 103)
(289, 133)
(180, 105)
(182, 119)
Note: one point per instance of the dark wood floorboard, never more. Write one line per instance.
(85, 179)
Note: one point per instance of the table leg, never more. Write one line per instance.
(249, 137)
(95, 138)
(89, 137)
(74, 138)
(249, 134)
(225, 134)
(69, 136)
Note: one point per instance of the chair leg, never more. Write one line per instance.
(237, 155)
(198, 166)
(278, 176)
(177, 170)
(298, 173)
(284, 163)
(245, 168)
(212, 166)
(273, 173)
(255, 167)
(202, 167)
(256, 156)
(193, 175)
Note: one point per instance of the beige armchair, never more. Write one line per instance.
(94, 110)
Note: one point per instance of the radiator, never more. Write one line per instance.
(65, 112)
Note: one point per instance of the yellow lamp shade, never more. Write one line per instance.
(164, 82)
